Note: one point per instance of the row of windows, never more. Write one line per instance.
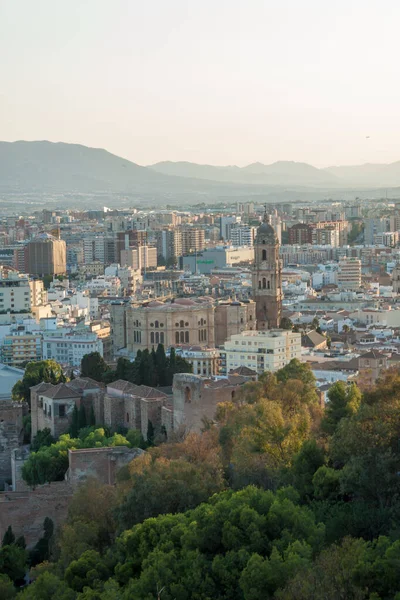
(181, 337)
(137, 337)
(265, 284)
(157, 337)
(202, 335)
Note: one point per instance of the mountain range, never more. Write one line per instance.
(44, 166)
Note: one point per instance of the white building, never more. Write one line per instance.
(243, 235)
(68, 347)
(205, 361)
(349, 274)
(106, 286)
(15, 293)
(260, 350)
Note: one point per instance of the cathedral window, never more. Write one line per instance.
(162, 337)
(268, 285)
(264, 283)
(182, 337)
(187, 337)
(156, 324)
(151, 337)
(177, 337)
(157, 338)
(264, 255)
(259, 285)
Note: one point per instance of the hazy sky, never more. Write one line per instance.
(211, 81)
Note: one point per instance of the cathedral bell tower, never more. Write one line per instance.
(267, 277)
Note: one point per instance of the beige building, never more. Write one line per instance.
(139, 258)
(260, 350)
(183, 321)
(232, 318)
(46, 255)
(192, 240)
(349, 274)
(204, 361)
(15, 292)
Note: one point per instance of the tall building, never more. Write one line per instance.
(300, 234)
(349, 274)
(192, 240)
(169, 244)
(46, 255)
(396, 279)
(243, 235)
(267, 277)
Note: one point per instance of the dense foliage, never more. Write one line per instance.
(277, 498)
(48, 371)
(149, 368)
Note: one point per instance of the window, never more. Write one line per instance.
(157, 337)
(187, 337)
(151, 337)
(182, 337)
(177, 337)
(259, 285)
(264, 255)
(156, 324)
(162, 337)
(181, 324)
(264, 283)
(61, 410)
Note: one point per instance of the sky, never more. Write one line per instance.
(208, 81)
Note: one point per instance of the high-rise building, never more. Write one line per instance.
(169, 244)
(267, 277)
(300, 234)
(349, 274)
(46, 255)
(192, 240)
(243, 235)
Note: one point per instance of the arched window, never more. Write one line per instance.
(269, 285)
(264, 283)
(152, 337)
(187, 337)
(162, 337)
(181, 324)
(182, 337)
(199, 335)
(177, 337)
(205, 334)
(259, 285)
(201, 321)
(157, 338)
(156, 324)
(263, 241)
(264, 257)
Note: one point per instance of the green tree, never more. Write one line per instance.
(13, 562)
(47, 587)
(48, 371)
(94, 366)
(42, 438)
(9, 537)
(7, 588)
(286, 323)
(305, 464)
(92, 417)
(343, 401)
(82, 422)
(161, 365)
(74, 426)
(150, 433)
(86, 571)
(124, 369)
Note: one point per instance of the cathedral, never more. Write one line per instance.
(267, 277)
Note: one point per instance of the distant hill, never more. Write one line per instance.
(286, 173)
(62, 167)
(369, 174)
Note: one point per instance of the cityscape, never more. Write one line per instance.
(199, 300)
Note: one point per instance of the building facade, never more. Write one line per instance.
(46, 255)
(260, 350)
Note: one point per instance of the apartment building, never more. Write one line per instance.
(260, 350)
(349, 274)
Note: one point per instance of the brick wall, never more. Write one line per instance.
(100, 463)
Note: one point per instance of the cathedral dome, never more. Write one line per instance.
(265, 229)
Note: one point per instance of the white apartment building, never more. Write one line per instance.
(15, 293)
(349, 274)
(143, 257)
(205, 361)
(243, 235)
(260, 350)
(68, 347)
(93, 249)
(107, 286)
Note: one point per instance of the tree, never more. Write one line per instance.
(82, 422)
(13, 562)
(42, 438)
(305, 464)
(161, 365)
(47, 371)
(74, 426)
(42, 550)
(343, 401)
(86, 570)
(94, 366)
(286, 323)
(9, 537)
(7, 588)
(47, 587)
(92, 417)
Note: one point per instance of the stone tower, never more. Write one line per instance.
(267, 277)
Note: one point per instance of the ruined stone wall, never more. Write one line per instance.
(150, 410)
(167, 417)
(132, 409)
(100, 463)
(26, 511)
(11, 435)
(193, 400)
(113, 411)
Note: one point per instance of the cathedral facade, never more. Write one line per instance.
(267, 277)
